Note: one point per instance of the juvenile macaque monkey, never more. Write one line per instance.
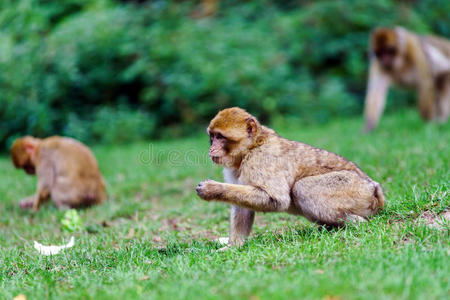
(405, 58)
(266, 173)
(67, 172)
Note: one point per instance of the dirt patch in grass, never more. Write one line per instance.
(434, 220)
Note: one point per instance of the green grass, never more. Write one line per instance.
(154, 238)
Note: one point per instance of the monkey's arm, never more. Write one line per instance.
(42, 195)
(377, 88)
(245, 196)
(45, 175)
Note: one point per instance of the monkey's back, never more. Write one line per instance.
(303, 159)
(317, 161)
(75, 168)
(440, 43)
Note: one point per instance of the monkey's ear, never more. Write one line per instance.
(251, 126)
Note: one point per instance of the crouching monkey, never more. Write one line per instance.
(267, 173)
(67, 172)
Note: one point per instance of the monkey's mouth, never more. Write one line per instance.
(29, 169)
(216, 159)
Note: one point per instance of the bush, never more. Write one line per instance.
(112, 72)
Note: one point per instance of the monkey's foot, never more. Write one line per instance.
(370, 126)
(222, 240)
(355, 219)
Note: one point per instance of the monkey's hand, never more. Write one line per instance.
(27, 203)
(209, 190)
(370, 125)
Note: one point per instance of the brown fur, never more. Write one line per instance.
(67, 171)
(267, 173)
(405, 58)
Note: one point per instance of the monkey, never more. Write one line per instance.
(407, 59)
(67, 172)
(264, 172)
(207, 8)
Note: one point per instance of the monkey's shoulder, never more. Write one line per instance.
(276, 146)
(64, 145)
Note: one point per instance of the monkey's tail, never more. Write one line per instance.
(379, 194)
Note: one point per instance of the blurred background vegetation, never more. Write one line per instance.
(119, 71)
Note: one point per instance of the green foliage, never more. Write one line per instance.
(121, 125)
(71, 67)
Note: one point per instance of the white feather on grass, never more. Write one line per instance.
(52, 249)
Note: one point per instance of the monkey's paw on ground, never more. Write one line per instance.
(27, 203)
(52, 249)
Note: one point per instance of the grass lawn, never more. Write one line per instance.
(154, 238)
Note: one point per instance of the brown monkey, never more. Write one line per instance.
(405, 58)
(67, 171)
(206, 9)
(266, 173)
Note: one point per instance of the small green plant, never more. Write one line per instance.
(71, 221)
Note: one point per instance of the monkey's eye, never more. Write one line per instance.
(219, 136)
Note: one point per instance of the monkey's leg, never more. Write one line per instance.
(443, 97)
(42, 195)
(44, 172)
(336, 197)
(245, 196)
(39, 199)
(241, 222)
(66, 196)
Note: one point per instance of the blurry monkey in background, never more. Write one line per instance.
(402, 57)
(67, 172)
(207, 8)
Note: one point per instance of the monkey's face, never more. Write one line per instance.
(22, 158)
(385, 48)
(221, 150)
(386, 57)
(231, 135)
